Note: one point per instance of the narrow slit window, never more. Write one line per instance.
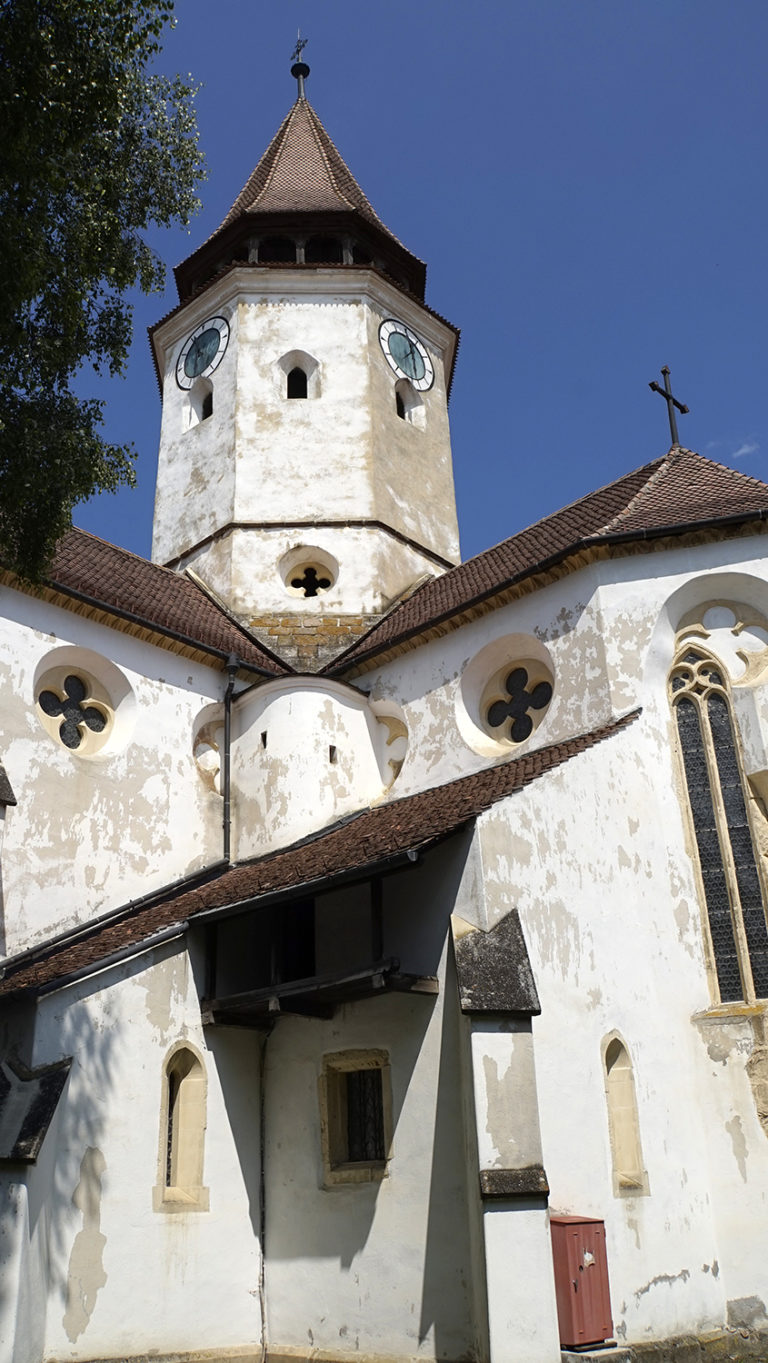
(629, 1176)
(206, 408)
(297, 383)
(183, 1134)
(400, 405)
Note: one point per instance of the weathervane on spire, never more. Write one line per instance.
(672, 403)
(299, 69)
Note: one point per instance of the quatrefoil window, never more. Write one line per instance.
(516, 700)
(72, 706)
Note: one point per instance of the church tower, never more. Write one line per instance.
(305, 470)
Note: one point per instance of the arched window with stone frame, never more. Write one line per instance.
(729, 866)
(629, 1177)
(182, 1132)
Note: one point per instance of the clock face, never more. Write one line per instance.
(202, 351)
(406, 354)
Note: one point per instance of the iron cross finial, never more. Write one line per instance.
(299, 69)
(299, 48)
(672, 403)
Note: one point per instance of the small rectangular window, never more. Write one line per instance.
(355, 1115)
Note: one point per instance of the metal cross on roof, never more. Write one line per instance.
(672, 403)
(299, 70)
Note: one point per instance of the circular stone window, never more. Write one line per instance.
(83, 701)
(515, 701)
(504, 693)
(308, 572)
(76, 711)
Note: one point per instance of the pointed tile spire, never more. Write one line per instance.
(302, 185)
(302, 172)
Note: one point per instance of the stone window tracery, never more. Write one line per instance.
(516, 700)
(719, 803)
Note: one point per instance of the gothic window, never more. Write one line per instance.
(182, 1133)
(629, 1177)
(409, 404)
(296, 384)
(719, 802)
(355, 1106)
(200, 402)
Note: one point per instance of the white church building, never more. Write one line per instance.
(385, 964)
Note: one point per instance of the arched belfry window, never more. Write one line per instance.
(182, 1133)
(719, 802)
(296, 384)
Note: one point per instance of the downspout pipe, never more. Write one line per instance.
(233, 664)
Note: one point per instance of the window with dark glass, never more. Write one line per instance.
(719, 803)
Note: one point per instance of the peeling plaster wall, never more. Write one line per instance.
(107, 1250)
(88, 834)
(340, 454)
(564, 617)
(596, 858)
(305, 753)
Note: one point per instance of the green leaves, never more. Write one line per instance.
(95, 149)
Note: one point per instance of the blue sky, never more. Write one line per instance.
(586, 182)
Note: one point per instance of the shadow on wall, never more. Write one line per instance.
(455, 1215)
(400, 1245)
(51, 1245)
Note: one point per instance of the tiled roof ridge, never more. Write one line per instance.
(659, 469)
(374, 834)
(173, 575)
(180, 629)
(460, 569)
(675, 494)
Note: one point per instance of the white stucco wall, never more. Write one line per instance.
(343, 454)
(90, 833)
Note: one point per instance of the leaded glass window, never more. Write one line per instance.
(719, 802)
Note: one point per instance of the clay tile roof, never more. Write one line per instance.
(679, 492)
(302, 172)
(358, 843)
(123, 584)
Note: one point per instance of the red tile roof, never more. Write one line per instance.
(671, 495)
(89, 569)
(358, 843)
(302, 172)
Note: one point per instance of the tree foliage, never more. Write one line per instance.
(95, 148)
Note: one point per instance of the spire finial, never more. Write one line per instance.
(672, 403)
(299, 69)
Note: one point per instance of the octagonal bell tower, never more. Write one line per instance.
(305, 469)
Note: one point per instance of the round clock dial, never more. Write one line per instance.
(202, 351)
(406, 354)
